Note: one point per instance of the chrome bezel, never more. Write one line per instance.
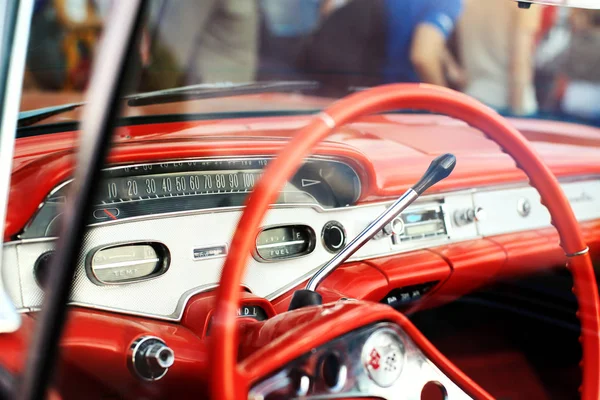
(160, 248)
(311, 244)
(338, 225)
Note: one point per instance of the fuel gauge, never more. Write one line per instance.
(284, 242)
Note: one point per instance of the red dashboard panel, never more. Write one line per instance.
(390, 151)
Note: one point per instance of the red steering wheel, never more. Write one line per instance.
(228, 378)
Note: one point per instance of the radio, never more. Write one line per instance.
(425, 222)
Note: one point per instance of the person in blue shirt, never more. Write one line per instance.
(369, 42)
(417, 31)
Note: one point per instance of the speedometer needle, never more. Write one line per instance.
(110, 215)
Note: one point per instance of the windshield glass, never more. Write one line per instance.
(539, 62)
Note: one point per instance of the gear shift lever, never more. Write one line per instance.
(439, 169)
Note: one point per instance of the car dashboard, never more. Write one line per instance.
(159, 232)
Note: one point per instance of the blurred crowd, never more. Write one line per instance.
(541, 61)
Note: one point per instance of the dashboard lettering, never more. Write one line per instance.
(220, 181)
(209, 252)
(132, 189)
(248, 180)
(150, 186)
(195, 182)
(167, 185)
(180, 183)
(233, 180)
(112, 191)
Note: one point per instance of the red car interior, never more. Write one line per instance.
(217, 353)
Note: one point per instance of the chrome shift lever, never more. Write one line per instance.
(439, 169)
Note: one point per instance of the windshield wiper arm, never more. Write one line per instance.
(212, 90)
(183, 93)
(27, 118)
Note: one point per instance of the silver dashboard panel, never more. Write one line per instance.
(502, 207)
(165, 297)
(416, 370)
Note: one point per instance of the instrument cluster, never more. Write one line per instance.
(141, 190)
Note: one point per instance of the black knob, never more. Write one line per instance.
(439, 169)
(334, 236)
(40, 268)
(304, 298)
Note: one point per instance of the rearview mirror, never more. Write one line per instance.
(591, 4)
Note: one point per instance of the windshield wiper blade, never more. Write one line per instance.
(226, 89)
(27, 118)
(183, 93)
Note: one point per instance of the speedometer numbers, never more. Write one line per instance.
(192, 185)
(161, 188)
(149, 187)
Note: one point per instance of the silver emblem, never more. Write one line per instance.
(204, 253)
(383, 357)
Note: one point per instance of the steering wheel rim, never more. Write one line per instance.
(227, 381)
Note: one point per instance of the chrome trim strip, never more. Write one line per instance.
(174, 317)
(432, 197)
(282, 244)
(579, 253)
(11, 321)
(127, 263)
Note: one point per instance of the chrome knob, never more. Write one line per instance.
(469, 215)
(159, 356)
(480, 214)
(524, 207)
(150, 358)
(397, 226)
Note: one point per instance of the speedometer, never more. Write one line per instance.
(182, 186)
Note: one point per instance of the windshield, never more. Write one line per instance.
(539, 62)
(221, 111)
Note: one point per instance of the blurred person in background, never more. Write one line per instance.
(208, 40)
(554, 38)
(369, 42)
(496, 45)
(286, 24)
(579, 67)
(416, 40)
(64, 35)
